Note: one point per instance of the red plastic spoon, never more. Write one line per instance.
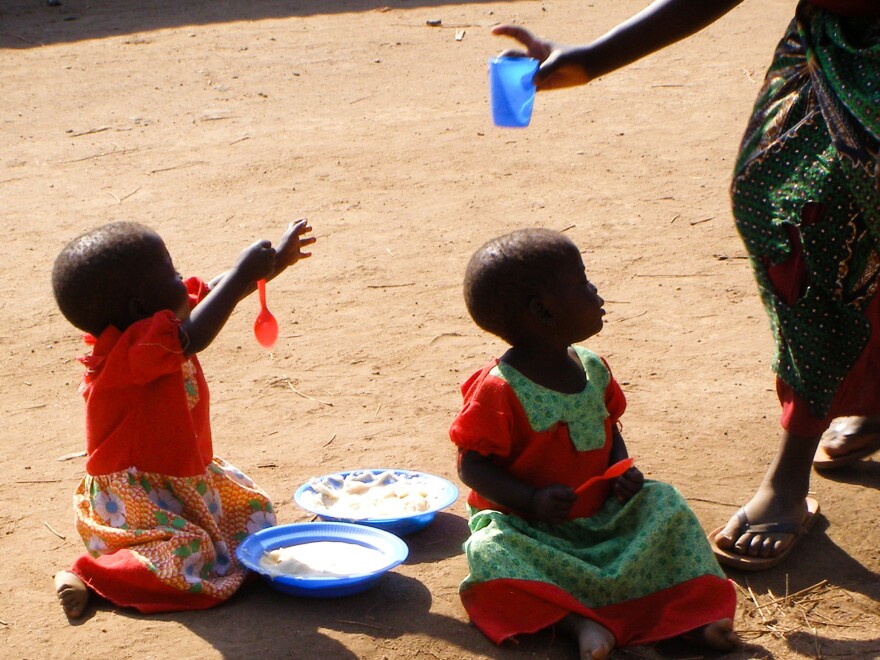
(265, 327)
(611, 473)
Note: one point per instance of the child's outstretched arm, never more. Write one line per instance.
(662, 23)
(259, 261)
(210, 315)
(630, 482)
(550, 504)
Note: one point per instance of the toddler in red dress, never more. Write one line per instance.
(159, 514)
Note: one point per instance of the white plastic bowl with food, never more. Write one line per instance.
(398, 501)
(322, 559)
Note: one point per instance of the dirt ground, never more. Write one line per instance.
(218, 122)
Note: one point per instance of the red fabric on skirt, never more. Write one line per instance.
(126, 582)
(504, 608)
(859, 392)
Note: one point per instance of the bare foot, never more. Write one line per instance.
(718, 636)
(595, 641)
(72, 592)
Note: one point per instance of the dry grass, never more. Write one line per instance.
(812, 619)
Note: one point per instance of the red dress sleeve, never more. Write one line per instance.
(143, 409)
(153, 347)
(197, 289)
(489, 418)
(615, 399)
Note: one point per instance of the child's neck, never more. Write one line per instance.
(556, 368)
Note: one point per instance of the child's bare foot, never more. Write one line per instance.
(718, 636)
(595, 641)
(72, 592)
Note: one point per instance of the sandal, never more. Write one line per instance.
(747, 562)
(845, 428)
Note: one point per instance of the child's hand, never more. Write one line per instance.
(289, 249)
(552, 504)
(256, 262)
(628, 484)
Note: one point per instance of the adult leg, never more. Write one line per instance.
(781, 498)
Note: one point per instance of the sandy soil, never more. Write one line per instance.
(218, 122)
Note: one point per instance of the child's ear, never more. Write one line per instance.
(137, 309)
(539, 311)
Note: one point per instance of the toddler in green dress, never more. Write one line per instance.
(563, 529)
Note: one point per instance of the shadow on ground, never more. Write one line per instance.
(33, 23)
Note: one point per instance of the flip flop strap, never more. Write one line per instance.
(863, 428)
(767, 528)
(776, 528)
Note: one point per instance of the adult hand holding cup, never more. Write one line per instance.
(511, 90)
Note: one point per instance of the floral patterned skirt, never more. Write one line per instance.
(160, 543)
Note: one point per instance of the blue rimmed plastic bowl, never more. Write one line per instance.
(393, 550)
(442, 494)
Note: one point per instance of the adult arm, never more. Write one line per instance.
(660, 24)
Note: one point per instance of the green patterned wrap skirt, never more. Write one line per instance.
(806, 200)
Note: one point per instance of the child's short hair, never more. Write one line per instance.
(96, 275)
(506, 273)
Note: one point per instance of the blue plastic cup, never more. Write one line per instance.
(511, 90)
